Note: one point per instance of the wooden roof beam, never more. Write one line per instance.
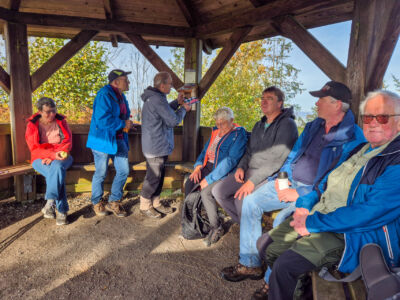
(61, 57)
(14, 4)
(222, 59)
(189, 12)
(259, 15)
(153, 58)
(258, 3)
(108, 11)
(4, 80)
(94, 24)
(288, 27)
(382, 50)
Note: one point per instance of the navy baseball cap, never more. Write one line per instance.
(335, 89)
(114, 74)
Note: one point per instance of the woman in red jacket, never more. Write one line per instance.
(50, 140)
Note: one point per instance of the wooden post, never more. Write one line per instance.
(374, 33)
(191, 123)
(20, 97)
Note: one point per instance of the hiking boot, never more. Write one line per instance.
(116, 208)
(213, 236)
(49, 212)
(241, 272)
(164, 209)
(261, 293)
(151, 213)
(100, 209)
(61, 219)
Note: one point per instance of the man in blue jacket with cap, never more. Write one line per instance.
(108, 138)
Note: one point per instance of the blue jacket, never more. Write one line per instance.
(158, 121)
(228, 152)
(372, 214)
(106, 121)
(347, 137)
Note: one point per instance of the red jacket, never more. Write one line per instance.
(47, 150)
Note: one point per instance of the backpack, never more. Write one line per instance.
(195, 224)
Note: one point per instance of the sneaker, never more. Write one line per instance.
(241, 272)
(61, 219)
(261, 293)
(116, 208)
(151, 213)
(213, 236)
(49, 212)
(164, 209)
(100, 209)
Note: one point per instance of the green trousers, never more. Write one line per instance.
(321, 249)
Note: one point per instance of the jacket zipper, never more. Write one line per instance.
(389, 245)
(219, 145)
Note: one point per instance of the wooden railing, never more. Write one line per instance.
(79, 180)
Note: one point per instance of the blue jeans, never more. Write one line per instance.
(121, 165)
(264, 199)
(54, 173)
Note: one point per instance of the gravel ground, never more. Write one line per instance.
(109, 257)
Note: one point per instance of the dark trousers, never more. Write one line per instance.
(210, 205)
(154, 180)
(224, 191)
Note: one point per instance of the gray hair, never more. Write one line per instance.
(161, 78)
(345, 106)
(45, 101)
(224, 113)
(387, 95)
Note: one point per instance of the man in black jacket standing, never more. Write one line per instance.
(270, 143)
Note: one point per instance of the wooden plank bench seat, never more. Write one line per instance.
(326, 290)
(19, 169)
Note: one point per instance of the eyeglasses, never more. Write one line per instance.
(50, 111)
(381, 119)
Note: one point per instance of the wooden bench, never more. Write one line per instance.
(326, 290)
(19, 169)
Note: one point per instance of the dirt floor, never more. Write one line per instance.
(109, 257)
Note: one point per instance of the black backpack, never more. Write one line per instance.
(195, 224)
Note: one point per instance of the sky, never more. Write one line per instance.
(336, 39)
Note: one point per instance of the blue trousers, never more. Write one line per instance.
(54, 173)
(121, 165)
(264, 199)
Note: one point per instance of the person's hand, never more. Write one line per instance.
(196, 175)
(181, 98)
(286, 195)
(46, 161)
(299, 221)
(128, 125)
(203, 184)
(187, 106)
(61, 155)
(239, 175)
(245, 189)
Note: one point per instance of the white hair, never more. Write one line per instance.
(387, 95)
(345, 106)
(224, 113)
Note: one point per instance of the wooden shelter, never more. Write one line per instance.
(195, 25)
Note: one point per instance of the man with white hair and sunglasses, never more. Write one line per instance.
(356, 204)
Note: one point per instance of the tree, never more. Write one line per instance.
(254, 66)
(396, 83)
(73, 86)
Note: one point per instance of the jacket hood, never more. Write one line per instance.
(149, 92)
(393, 147)
(286, 113)
(37, 116)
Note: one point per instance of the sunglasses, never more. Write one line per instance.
(50, 111)
(381, 119)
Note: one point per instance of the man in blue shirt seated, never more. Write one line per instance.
(356, 204)
(324, 143)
